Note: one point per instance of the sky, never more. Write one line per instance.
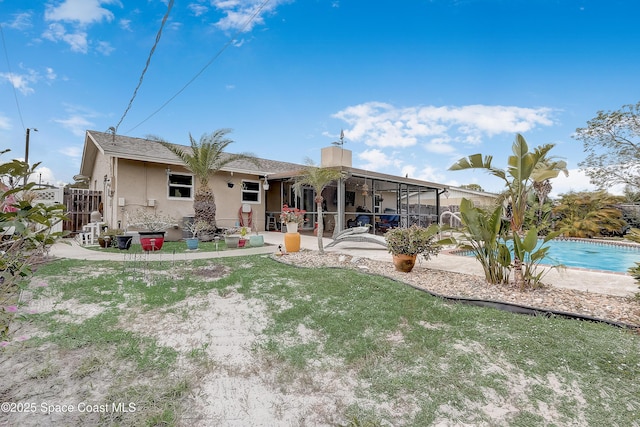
(414, 84)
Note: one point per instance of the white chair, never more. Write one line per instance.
(271, 222)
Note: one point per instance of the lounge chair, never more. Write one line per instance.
(357, 234)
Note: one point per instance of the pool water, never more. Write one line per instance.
(596, 255)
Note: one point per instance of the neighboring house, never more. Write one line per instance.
(135, 173)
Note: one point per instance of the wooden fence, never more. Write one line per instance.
(80, 203)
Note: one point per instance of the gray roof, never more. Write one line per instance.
(146, 150)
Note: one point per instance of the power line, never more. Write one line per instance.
(231, 40)
(135, 92)
(15, 94)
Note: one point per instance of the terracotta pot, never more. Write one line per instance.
(404, 262)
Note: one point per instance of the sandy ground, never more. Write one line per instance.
(234, 383)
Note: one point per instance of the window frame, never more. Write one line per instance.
(243, 190)
(191, 187)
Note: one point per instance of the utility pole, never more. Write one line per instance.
(26, 153)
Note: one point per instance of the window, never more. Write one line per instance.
(180, 186)
(251, 191)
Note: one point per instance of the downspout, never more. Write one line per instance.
(340, 220)
(438, 193)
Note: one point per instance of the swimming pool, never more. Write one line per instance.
(593, 255)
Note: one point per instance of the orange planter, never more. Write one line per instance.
(403, 262)
(292, 242)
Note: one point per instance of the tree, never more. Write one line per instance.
(473, 187)
(26, 231)
(206, 157)
(588, 214)
(524, 169)
(317, 178)
(612, 141)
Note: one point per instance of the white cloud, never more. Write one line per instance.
(578, 181)
(105, 48)
(5, 123)
(77, 41)
(426, 173)
(75, 123)
(243, 14)
(125, 24)
(380, 124)
(78, 14)
(375, 160)
(21, 21)
(83, 12)
(71, 151)
(50, 74)
(197, 9)
(440, 146)
(22, 82)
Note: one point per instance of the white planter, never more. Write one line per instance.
(292, 227)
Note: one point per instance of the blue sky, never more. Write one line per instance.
(415, 84)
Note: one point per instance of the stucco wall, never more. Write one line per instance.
(144, 185)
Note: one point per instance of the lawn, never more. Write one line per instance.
(250, 341)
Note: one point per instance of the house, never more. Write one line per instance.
(136, 173)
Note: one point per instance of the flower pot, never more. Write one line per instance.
(292, 242)
(124, 242)
(242, 242)
(192, 243)
(292, 227)
(256, 241)
(404, 263)
(151, 240)
(231, 241)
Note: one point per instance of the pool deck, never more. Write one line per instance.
(617, 284)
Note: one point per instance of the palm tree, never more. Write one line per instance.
(317, 178)
(206, 157)
(589, 214)
(524, 169)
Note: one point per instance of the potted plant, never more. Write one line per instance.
(108, 237)
(231, 238)
(256, 240)
(123, 241)
(292, 217)
(243, 237)
(104, 239)
(406, 243)
(194, 228)
(153, 226)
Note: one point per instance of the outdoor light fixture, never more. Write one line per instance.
(230, 184)
(266, 184)
(168, 170)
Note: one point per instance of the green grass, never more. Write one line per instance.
(442, 362)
